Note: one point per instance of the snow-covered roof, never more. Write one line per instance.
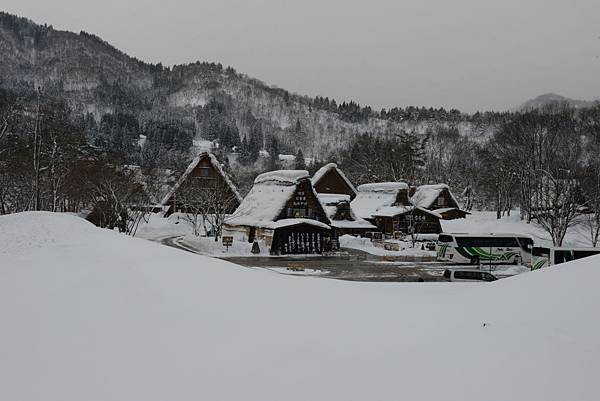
(287, 158)
(356, 224)
(293, 222)
(331, 166)
(263, 204)
(391, 211)
(372, 197)
(392, 187)
(333, 199)
(291, 177)
(330, 202)
(444, 209)
(215, 163)
(448, 209)
(425, 195)
(267, 198)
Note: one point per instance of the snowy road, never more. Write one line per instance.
(355, 266)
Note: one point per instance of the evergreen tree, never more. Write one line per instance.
(300, 163)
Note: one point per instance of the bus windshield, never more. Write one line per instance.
(540, 251)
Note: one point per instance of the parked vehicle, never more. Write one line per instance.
(477, 248)
(544, 257)
(465, 275)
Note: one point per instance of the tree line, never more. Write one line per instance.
(48, 164)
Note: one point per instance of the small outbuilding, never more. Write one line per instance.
(282, 209)
(342, 219)
(374, 196)
(439, 199)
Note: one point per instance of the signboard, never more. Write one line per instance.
(227, 241)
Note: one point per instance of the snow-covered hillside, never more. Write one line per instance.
(89, 314)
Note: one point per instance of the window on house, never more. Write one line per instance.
(205, 172)
(298, 213)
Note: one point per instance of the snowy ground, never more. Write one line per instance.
(177, 228)
(89, 314)
(405, 247)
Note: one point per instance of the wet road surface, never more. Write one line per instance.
(350, 264)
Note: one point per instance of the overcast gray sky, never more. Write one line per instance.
(469, 54)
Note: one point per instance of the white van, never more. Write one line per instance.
(468, 275)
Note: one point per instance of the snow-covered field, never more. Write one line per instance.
(89, 314)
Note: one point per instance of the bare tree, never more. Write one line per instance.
(189, 199)
(208, 206)
(558, 204)
(9, 110)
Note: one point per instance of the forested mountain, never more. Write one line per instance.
(549, 99)
(84, 126)
(113, 92)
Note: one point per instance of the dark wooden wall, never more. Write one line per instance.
(333, 183)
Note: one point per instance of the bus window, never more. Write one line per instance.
(562, 256)
(488, 242)
(445, 238)
(540, 251)
(506, 242)
(585, 254)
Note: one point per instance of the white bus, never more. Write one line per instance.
(478, 248)
(544, 257)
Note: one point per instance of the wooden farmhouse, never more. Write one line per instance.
(204, 174)
(438, 199)
(283, 210)
(329, 179)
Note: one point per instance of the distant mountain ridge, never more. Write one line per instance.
(548, 99)
(96, 79)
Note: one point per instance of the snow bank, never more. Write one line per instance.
(93, 315)
(20, 233)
